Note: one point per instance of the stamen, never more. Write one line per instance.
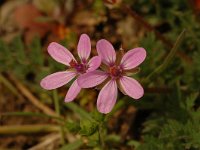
(79, 67)
(115, 71)
(73, 63)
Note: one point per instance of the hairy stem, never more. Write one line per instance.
(101, 138)
(57, 108)
(169, 57)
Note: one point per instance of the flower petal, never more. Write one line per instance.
(72, 92)
(107, 97)
(133, 58)
(57, 79)
(106, 51)
(84, 47)
(131, 87)
(60, 53)
(91, 79)
(94, 63)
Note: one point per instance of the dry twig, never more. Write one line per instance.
(49, 141)
(24, 90)
(149, 27)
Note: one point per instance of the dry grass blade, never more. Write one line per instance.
(25, 91)
(48, 143)
(28, 129)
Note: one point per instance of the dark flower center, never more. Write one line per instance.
(79, 67)
(115, 71)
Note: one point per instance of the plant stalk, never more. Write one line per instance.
(101, 138)
(57, 109)
(168, 59)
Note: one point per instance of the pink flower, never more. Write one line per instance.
(76, 68)
(115, 75)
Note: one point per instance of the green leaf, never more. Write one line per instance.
(72, 126)
(5, 55)
(190, 101)
(18, 48)
(73, 146)
(88, 127)
(113, 138)
(99, 117)
(36, 55)
(133, 143)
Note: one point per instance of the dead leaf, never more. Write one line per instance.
(7, 23)
(26, 16)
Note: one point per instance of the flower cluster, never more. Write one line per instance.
(113, 74)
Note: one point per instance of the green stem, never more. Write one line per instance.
(168, 59)
(28, 129)
(57, 108)
(101, 138)
(56, 102)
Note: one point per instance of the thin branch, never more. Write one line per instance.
(149, 27)
(9, 86)
(25, 91)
